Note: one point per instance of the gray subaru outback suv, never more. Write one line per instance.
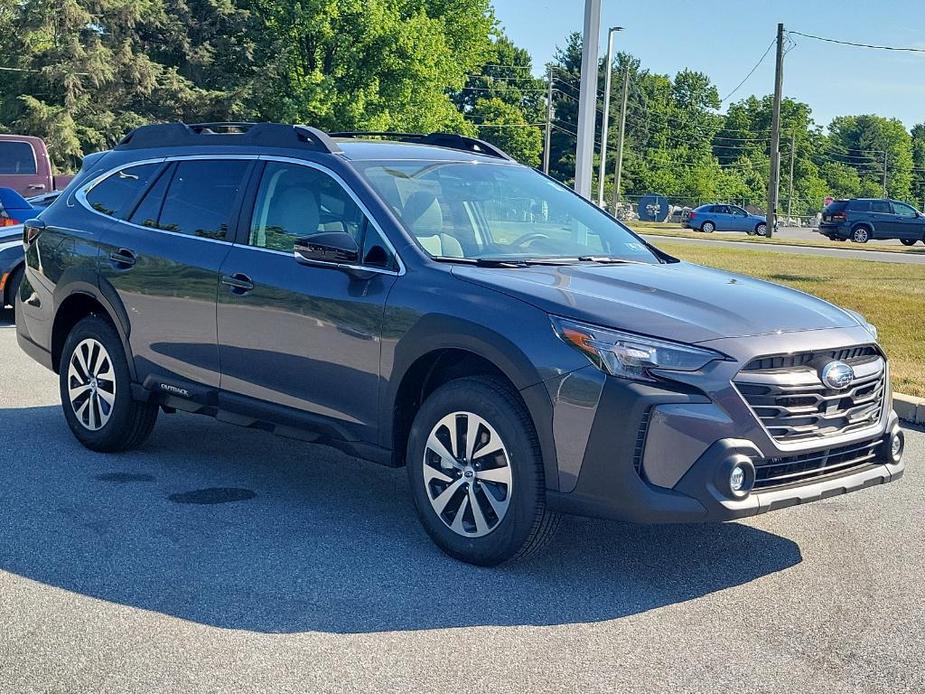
(424, 301)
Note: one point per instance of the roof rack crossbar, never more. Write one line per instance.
(228, 133)
(449, 140)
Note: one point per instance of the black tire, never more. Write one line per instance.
(708, 227)
(12, 286)
(908, 242)
(860, 234)
(527, 524)
(129, 422)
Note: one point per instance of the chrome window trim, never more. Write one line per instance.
(81, 196)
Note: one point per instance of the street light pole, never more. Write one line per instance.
(618, 167)
(587, 98)
(602, 168)
(549, 114)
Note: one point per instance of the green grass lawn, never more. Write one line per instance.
(890, 295)
(675, 230)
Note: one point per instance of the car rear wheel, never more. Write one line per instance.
(908, 242)
(95, 388)
(708, 227)
(860, 235)
(476, 473)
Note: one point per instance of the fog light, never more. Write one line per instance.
(897, 444)
(737, 479)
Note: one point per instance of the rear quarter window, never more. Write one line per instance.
(17, 158)
(859, 205)
(113, 195)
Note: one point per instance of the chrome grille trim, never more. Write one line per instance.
(794, 405)
(802, 468)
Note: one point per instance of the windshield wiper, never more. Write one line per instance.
(504, 262)
(609, 259)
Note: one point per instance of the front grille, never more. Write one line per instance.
(788, 396)
(850, 355)
(799, 469)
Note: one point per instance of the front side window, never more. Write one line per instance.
(904, 210)
(497, 211)
(296, 202)
(114, 195)
(17, 158)
(200, 197)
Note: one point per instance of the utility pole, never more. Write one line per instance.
(602, 169)
(550, 113)
(618, 166)
(774, 182)
(587, 99)
(885, 194)
(793, 156)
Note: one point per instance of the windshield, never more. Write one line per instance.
(483, 211)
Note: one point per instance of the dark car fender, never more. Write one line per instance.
(83, 282)
(435, 332)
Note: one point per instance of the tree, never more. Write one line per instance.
(869, 143)
(369, 64)
(504, 102)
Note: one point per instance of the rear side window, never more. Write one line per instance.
(115, 194)
(859, 205)
(837, 206)
(200, 197)
(17, 158)
(881, 206)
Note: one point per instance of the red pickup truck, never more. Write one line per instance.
(25, 166)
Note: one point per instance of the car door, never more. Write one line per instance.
(883, 219)
(907, 223)
(739, 220)
(721, 217)
(162, 260)
(304, 339)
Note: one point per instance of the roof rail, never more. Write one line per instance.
(228, 133)
(449, 140)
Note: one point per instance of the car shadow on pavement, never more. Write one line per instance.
(243, 530)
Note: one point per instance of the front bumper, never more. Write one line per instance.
(656, 453)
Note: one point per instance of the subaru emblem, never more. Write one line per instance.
(837, 375)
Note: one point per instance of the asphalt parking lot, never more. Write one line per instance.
(313, 575)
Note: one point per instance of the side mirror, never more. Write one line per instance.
(333, 247)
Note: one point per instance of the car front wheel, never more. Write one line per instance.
(96, 391)
(761, 229)
(476, 473)
(908, 242)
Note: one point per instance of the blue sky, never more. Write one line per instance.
(725, 38)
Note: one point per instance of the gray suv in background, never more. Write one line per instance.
(424, 301)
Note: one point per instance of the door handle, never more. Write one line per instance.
(36, 186)
(238, 283)
(123, 258)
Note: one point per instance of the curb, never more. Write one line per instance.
(909, 408)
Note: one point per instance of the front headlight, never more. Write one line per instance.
(869, 327)
(628, 355)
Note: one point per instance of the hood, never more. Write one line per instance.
(675, 301)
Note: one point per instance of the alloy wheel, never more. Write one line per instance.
(467, 474)
(91, 384)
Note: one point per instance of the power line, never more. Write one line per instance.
(750, 72)
(858, 45)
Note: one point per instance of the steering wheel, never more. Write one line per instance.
(527, 238)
